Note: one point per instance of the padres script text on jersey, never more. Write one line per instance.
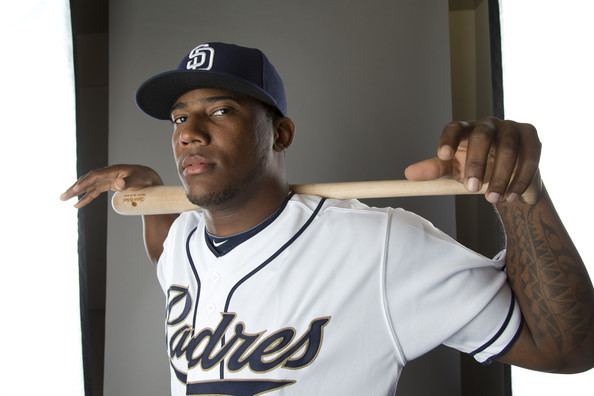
(330, 298)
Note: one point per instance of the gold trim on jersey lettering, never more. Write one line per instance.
(186, 345)
(278, 341)
(187, 286)
(250, 349)
(208, 340)
(305, 349)
(169, 334)
(168, 301)
(280, 352)
(183, 331)
(181, 359)
(231, 333)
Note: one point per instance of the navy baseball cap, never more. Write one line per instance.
(238, 69)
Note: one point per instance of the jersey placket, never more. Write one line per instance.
(219, 276)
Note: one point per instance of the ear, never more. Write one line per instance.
(284, 130)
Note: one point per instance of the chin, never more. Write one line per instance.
(211, 198)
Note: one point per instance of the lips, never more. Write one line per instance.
(195, 165)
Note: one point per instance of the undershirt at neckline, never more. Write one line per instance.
(220, 246)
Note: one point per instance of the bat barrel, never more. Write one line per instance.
(152, 201)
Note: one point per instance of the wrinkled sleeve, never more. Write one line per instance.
(440, 292)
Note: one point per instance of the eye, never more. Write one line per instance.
(179, 120)
(221, 111)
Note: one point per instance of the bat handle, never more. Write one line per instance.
(402, 188)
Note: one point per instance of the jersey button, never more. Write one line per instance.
(210, 307)
(216, 277)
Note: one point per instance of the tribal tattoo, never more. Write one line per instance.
(547, 275)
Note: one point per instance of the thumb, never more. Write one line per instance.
(429, 169)
(119, 184)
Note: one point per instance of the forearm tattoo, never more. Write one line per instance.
(547, 275)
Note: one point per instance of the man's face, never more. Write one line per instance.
(222, 144)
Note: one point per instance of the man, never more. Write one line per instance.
(269, 291)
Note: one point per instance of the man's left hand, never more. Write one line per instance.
(505, 154)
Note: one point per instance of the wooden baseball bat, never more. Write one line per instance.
(172, 199)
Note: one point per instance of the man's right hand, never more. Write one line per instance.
(111, 178)
(125, 177)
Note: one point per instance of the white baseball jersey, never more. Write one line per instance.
(331, 298)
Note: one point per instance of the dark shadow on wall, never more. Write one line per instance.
(90, 36)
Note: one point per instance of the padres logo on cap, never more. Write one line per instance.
(200, 58)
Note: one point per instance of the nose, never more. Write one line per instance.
(194, 131)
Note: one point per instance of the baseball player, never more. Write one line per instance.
(270, 292)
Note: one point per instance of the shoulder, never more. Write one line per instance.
(335, 206)
(356, 210)
(185, 223)
(183, 227)
(344, 217)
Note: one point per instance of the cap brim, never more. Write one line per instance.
(157, 95)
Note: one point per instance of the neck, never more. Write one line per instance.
(244, 211)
